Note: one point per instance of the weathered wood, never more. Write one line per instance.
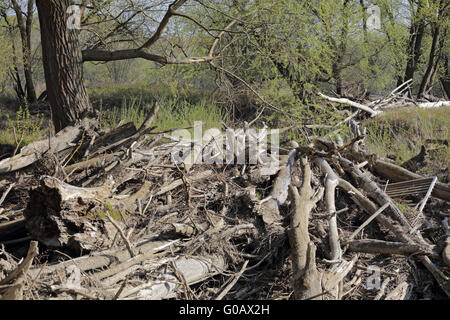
(307, 279)
(29, 154)
(116, 134)
(396, 173)
(106, 259)
(16, 278)
(331, 183)
(383, 247)
(59, 214)
(337, 273)
(193, 270)
(128, 140)
(401, 292)
(374, 191)
(351, 103)
(269, 210)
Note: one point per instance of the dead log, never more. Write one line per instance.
(374, 191)
(124, 131)
(338, 271)
(59, 214)
(307, 279)
(351, 103)
(128, 140)
(29, 154)
(401, 292)
(396, 173)
(383, 247)
(175, 184)
(331, 182)
(107, 259)
(192, 270)
(269, 210)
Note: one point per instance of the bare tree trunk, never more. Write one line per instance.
(62, 57)
(341, 48)
(415, 42)
(435, 53)
(432, 63)
(25, 35)
(445, 79)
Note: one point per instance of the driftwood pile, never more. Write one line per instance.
(90, 215)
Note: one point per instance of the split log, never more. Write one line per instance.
(128, 140)
(332, 277)
(192, 270)
(59, 214)
(307, 279)
(30, 153)
(124, 131)
(146, 251)
(175, 184)
(269, 210)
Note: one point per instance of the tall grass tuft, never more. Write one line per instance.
(173, 113)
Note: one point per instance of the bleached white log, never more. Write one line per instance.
(351, 103)
(193, 270)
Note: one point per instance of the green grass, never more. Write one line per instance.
(22, 128)
(113, 95)
(121, 104)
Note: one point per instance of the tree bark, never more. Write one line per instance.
(62, 57)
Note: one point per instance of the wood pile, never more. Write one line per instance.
(92, 215)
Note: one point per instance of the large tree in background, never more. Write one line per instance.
(63, 56)
(62, 59)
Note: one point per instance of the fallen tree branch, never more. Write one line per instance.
(383, 247)
(307, 279)
(351, 103)
(331, 182)
(16, 278)
(193, 270)
(269, 210)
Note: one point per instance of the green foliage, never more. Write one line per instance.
(5, 62)
(23, 129)
(109, 210)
